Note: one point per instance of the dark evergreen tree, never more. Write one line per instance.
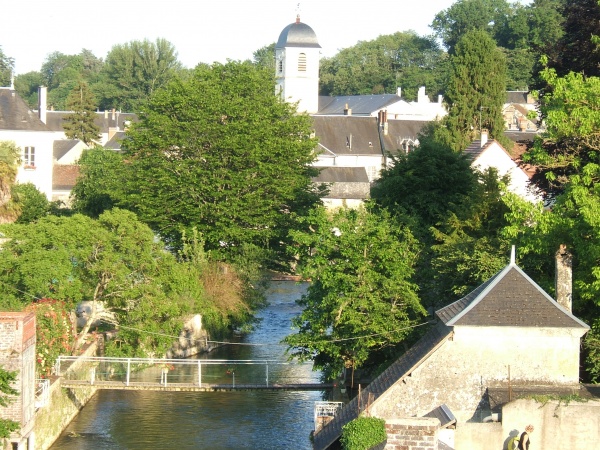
(6, 68)
(79, 124)
(476, 91)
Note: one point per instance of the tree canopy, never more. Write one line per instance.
(79, 124)
(361, 300)
(219, 152)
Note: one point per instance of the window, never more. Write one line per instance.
(302, 62)
(280, 66)
(29, 157)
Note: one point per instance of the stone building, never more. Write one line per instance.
(17, 354)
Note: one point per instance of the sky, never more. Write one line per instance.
(201, 31)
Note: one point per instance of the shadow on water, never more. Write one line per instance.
(132, 420)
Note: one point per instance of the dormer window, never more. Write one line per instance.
(302, 62)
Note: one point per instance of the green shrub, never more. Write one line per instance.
(363, 433)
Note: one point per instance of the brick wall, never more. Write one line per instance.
(412, 434)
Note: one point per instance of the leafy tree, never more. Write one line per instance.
(361, 300)
(265, 57)
(463, 16)
(135, 70)
(27, 85)
(7, 378)
(476, 91)
(220, 153)
(577, 51)
(7, 65)
(10, 158)
(32, 203)
(99, 183)
(568, 155)
(381, 65)
(80, 123)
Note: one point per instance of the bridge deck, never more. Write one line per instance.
(190, 387)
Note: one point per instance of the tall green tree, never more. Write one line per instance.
(361, 300)
(265, 56)
(382, 65)
(134, 71)
(27, 85)
(7, 66)
(79, 124)
(476, 91)
(220, 153)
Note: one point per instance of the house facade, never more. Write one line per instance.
(507, 334)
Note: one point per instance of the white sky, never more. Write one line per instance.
(201, 31)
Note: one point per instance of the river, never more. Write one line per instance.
(131, 420)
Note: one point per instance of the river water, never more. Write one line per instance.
(265, 420)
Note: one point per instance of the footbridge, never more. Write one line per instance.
(204, 375)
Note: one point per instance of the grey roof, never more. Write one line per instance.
(62, 147)
(104, 120)
(342, 174)
(516, 97)
(297, 34)
(443, 414)
(114, 143)
(400, 131)
(16, 115)
(475, 149)
(509, 298)
(400, 369)
(361, 105)
(348, 135)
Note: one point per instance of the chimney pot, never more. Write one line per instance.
(564, 278)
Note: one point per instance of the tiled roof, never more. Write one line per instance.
(509, 298)
(361, 105)
(16, 115)
(400, 369)
(64, 176)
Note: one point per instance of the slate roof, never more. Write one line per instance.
(348, 135)
(509, 298)
(516, 97)
(399, 131)
(474, 150)
(62, 147)
(342, 175)
(114, 143)
(361, 105)
(443, 414)
(16, 115)
(400, 369)
(297, 34)
(104, 121)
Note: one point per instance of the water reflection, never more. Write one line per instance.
(221, 420)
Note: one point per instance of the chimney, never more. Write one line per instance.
(42, 102)
(484, 137)
(399, 91)
(113, 114)
(347, 111)
(440, 98)
(564, 275)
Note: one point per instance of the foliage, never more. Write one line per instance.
(381, 65)
(135, 70)
(361, 299)
(470, 247)
(463, 16)
(79, 124)
(27, 85)
(32, 203)
(7, 378)
(98, 186)
(55, 334)
(363, 433)
(476, 91)
(219, 152)
(7, 66)
(10, 158)
(265, 57)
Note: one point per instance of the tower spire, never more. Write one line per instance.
(298, 13)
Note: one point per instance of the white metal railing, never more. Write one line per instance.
(325, 412)
(42, 393)
(94, 369)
